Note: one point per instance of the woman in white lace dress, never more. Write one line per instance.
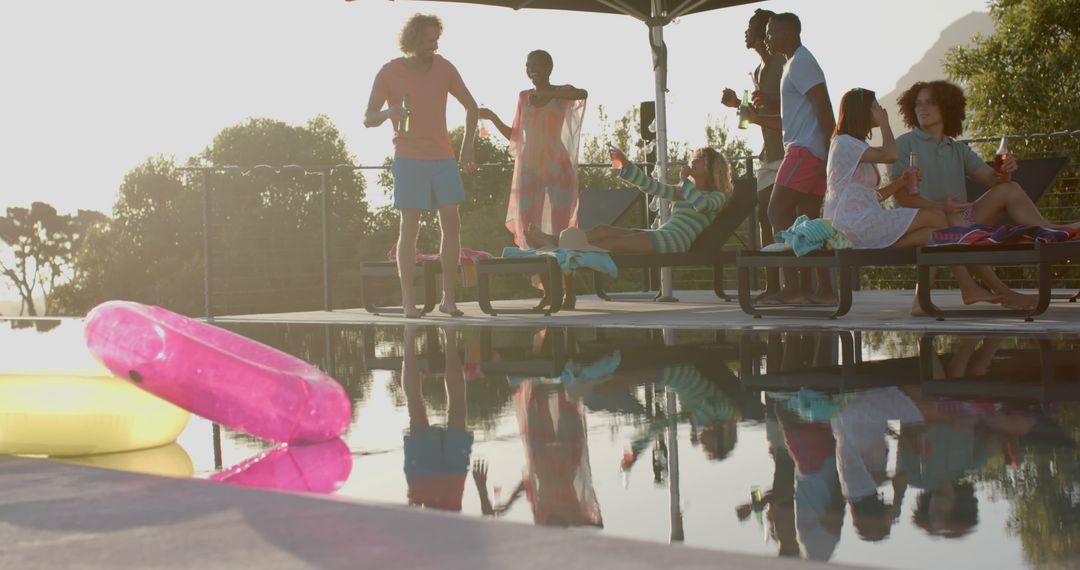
(853, 199)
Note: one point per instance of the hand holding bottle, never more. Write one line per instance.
(1004, 162)
(618, 158)
(744, 110)
(913, 174)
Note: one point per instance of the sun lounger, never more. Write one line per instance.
(845, 262)
(387, 270)
(1034, 175)
(706, 251)
(1041, 255)
(594, 207)
(1043, 374)
(851, 373)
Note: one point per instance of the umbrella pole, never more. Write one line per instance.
(656, 29)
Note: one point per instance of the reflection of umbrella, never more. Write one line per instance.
(655, 14)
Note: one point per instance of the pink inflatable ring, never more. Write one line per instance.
(219, 375)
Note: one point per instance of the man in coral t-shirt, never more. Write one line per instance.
(426, 177)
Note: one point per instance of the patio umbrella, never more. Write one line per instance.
(655, 14)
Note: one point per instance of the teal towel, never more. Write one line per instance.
(575, 373)
(570, 260)
(806, 235)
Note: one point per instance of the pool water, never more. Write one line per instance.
(900, 450)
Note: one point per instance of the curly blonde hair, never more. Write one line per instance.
(413, 31)
(719, 170)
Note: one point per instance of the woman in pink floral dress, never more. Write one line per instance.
(544, 142)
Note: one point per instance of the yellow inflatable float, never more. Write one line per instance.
(169, 460)
(84, 412)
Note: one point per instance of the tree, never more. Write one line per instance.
(265, 226)
(1024, 78)
(42, 245)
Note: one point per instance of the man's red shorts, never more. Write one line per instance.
(802, 171)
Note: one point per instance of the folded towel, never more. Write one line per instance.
(570, 260)
(807, 235)
(985, 234)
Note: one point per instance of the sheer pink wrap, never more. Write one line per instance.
(544, 142)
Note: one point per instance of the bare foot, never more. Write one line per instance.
(535, 238)
(786, 298)
(409, 311)
(766, 294)
(1020, 301)
(982, 296)
(823, 298)
(450, 309)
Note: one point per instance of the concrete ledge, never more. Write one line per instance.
(56, 515)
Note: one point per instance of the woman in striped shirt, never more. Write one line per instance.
(695, 204)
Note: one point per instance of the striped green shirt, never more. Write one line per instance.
(691, 212)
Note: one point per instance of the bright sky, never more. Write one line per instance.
(93, 88)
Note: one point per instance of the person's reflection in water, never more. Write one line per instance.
(557, 478)
(819, 504)
(862, 455)
(436, 458)
(779, 500)
(972, 358)
(712, 415)
(961, 437)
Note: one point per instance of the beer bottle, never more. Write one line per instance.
(406, 121)
(1000, 156)
(744, 110)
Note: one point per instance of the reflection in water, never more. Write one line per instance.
(640, 434)
(436, 457)
(849, 420)
(315, 468)
(167, 460)
(557, 478)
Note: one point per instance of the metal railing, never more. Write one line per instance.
(1061, 201)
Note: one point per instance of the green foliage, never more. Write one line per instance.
(41, 246)
(265, 227)
(150, 250)
(1023, 78)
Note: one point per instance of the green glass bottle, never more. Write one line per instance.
(744, 110)
(406, 121)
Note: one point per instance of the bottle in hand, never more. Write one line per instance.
(617, 157)
(744, 110)
(406, 121)
(1000, 156)
(913, 166)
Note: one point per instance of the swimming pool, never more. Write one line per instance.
(896, 449)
